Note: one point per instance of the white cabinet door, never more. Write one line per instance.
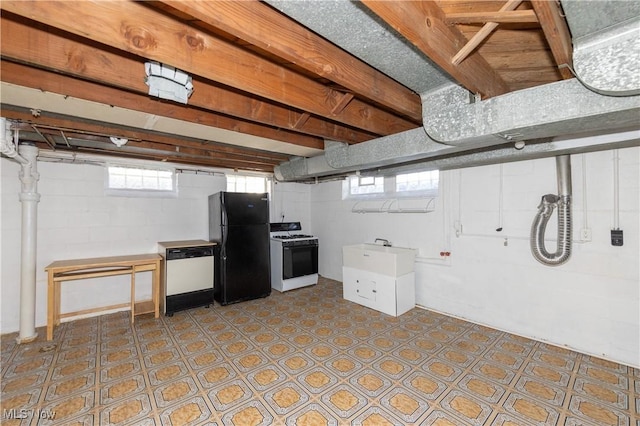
(359, 287)
(380, 292)
(366, 289)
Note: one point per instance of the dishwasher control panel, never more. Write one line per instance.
(189, 252)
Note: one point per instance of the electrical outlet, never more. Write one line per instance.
(585, 234)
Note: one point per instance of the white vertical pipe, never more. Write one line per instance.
(585, 218)
(29, 198)
(616, 190)
(500, 199)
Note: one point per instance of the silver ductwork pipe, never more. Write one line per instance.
(545, 210)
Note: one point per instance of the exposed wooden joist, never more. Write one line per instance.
(482, 34)
(171, 151)
(56, 121)
(301, 120)
(135, 28)
(539, 59)
(342, 104)
(423, 24)
(33, 44)
(557, 33)
(541, 76)
(254, 22)
(508, 40)
(515, 16)
(171, 147)
(23, 75)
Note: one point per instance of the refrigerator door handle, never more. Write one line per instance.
(223, 210)
(224, 220)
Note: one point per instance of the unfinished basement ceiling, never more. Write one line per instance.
(321, 88)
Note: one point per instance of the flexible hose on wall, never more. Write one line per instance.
(549, 202)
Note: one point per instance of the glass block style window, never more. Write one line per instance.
(425, 183)
(405, 185)
(140, 179)
(362, 185)
(242, 183)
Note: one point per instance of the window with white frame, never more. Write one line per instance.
(137, 180)
(365, 185)
(245, 183)
(416, 184)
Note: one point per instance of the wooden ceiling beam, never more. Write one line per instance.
(135, 28)
(74, 139)
(423, 24)
(254, 22)
(34, 44)
(163, 157)
(203, 152)
(77, 126)
(23, 75)
(514, 16)
(484, 32)
(556, 31)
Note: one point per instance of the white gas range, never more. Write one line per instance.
(294, 257)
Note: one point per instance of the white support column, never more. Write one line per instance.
(29, 198)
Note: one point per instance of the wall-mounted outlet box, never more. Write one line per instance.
(617, 237)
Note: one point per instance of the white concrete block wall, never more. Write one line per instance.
(590, 304)
(77, 220)
(290, 202)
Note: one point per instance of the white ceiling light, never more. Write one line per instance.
(119, 142)
(167, 82)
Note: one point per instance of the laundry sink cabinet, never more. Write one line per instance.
(380, 278)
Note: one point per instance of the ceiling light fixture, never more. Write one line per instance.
(119, 142)
(167, 82)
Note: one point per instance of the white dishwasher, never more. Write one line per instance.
(187, 279)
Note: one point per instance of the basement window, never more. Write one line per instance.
(245, 183)
(137, 181)
(406, 185)
(419, 183)
(365, 185)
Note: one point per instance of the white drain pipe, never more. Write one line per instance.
(6, 145)
(26, 155)
(29, 198)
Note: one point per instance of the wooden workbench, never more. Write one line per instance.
(77, 269)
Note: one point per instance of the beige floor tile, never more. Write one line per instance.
(306, 357)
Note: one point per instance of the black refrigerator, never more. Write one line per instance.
(239, 223)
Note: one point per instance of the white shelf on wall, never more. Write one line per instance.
(395, 205)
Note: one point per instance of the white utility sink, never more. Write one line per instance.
(390, 261)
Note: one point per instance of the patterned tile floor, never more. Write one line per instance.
(306, 357)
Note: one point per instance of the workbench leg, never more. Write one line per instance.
(133, 294)
(156, 290)
(57, 291)
(50, 305)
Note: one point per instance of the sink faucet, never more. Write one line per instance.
(385, 243)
